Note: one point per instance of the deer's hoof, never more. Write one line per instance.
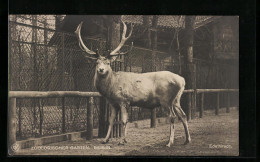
(104, 141)
(168, 145)
(187, 142)
(121, 143)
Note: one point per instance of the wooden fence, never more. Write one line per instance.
(13, 95)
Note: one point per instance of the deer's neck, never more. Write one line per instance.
(105, 84)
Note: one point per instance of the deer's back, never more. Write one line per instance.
(147, 89)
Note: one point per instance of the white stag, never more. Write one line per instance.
(148, 90)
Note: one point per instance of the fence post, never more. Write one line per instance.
(20, 119)
(112, 131)
(90, 110)
(189, 107)
(41, 115)
(63, 63)
(217, 107)
(118, 127)
(194, 106)
(131, 114)
(228, 103)
(63, 114)
(102, 118)
(201, 105)
(153, 118)
(194, 103)
(12, 126)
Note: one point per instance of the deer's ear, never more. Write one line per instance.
(112, 58)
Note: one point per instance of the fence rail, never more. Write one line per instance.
(215, 90)
(12, 111)
(51, 94)
(13, 95)
(218, 91)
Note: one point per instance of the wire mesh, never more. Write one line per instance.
(42, 59)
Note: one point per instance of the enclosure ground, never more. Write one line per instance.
(211, 136)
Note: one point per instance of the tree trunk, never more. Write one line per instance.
(60, 50)
(35, 83)
(189, 23)
(113, 40)
(154, 48)
(147, 38)
(147, 67)
(189, 72)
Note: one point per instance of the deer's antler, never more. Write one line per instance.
(123, 40)
(82, 45)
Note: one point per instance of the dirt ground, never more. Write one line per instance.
(211, 136)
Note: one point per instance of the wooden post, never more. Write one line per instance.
(102, 118)
(131, 114)
(21, 61)
(20, 119)
(154, 48)
(112, 132)
(63, 63)
(113, 40)
(217, 107)
(228, 103)
(90, 110)
(194, 93)
(193, 105)
(12, 125)
(201, 105)
(189, 107)
(41, 115)
(153, 118)
(35, 78)
(63, 114)
(108, 116)
(189, 68)
(118, 128)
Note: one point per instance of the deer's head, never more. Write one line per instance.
(103, 62)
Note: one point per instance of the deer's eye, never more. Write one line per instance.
(108, 63)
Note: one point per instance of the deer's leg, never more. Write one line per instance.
(183, 118)
(124, 117)
(111, 123)
(172, 118)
